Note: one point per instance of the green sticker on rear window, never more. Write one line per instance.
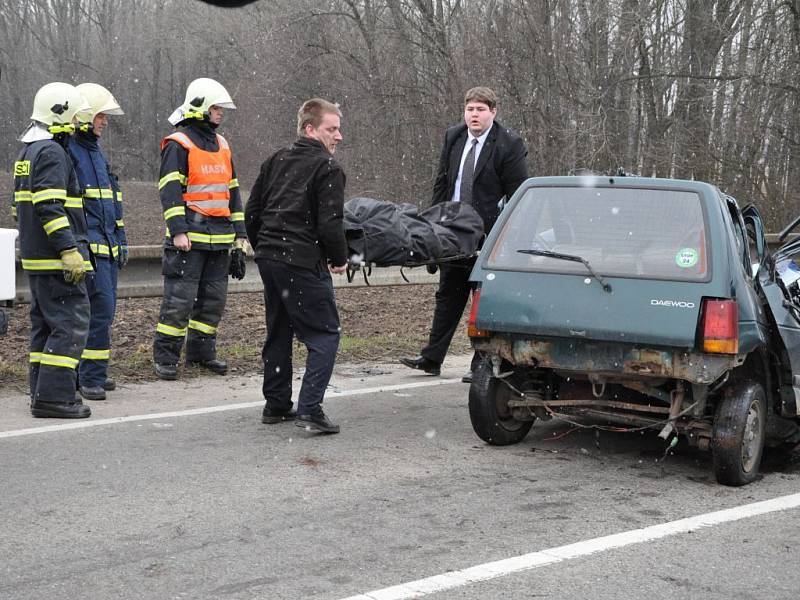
(686, 258)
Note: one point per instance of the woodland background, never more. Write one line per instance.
(704, 89)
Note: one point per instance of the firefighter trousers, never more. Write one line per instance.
(102, 289)
(195, 291)
(59, 328)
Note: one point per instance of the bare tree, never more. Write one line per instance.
(689, 88)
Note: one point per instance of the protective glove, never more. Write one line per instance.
(74, 269)
(122, 256)
(241, 243)
(238, 267)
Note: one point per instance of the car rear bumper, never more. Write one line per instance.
(608, 358)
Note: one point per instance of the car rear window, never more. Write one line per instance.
(623, 232)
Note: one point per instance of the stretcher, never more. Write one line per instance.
(385, 234)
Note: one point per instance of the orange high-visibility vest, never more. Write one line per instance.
(207, 184)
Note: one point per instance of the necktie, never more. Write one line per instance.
(467, 171)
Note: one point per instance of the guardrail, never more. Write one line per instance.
(142, 277)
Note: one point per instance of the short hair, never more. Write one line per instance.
(481, 94)
(312, 111)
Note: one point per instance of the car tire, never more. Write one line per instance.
(738, 434)
(488, 409)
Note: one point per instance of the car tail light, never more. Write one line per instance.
(472, 330)
(720, 326)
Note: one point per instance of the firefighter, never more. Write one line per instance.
(54, 252)
(204, 218)
(102, 203)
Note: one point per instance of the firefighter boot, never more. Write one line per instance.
(220, 367)
(69, 410)
(167, 372)
(92, 392)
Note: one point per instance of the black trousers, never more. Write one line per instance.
(299, 303)
(195, 292)
(451, 298)
(59, 328)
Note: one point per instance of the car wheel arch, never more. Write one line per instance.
(757, 367)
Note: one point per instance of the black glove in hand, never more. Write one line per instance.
(238, 267)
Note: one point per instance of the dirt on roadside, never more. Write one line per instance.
(378, 324)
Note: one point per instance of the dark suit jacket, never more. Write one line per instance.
(499, 171)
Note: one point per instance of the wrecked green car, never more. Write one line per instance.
(646, 303)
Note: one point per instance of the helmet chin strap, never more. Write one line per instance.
(86, 127)
(67, 128)
(203, 117)
(61, 133)
(200, 116)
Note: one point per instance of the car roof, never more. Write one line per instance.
(621, 181)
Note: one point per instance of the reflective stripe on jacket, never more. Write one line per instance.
(206, 188)
(100, 197)
(49, 207)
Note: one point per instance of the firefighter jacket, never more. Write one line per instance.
(199, 190)
(49, 208)
(102, 198)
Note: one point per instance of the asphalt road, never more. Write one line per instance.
(207, 502)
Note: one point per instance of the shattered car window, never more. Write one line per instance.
(622, 232)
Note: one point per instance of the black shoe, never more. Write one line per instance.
(109, 385)
(423, 364)
(271, 418)
(220, 367)
(467, 378)
(70, 410)
(95, 392)
(167, 372)
(316, 422)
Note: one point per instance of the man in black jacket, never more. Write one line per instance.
(294, 222)
(482, 163)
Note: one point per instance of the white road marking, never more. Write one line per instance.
(486, 571)
(83, 424)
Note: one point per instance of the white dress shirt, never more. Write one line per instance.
(481, 139)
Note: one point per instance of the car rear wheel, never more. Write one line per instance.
(737, 439)
(489, 411)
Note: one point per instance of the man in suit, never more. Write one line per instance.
(482, 163)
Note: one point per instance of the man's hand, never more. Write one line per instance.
(182, 242)
(122, 256)
(341, 269)
(74, 269)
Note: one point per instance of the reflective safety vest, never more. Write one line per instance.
(206, 189)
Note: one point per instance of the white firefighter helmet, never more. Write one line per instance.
(100, 101)
(57, 103)
(201, 94)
